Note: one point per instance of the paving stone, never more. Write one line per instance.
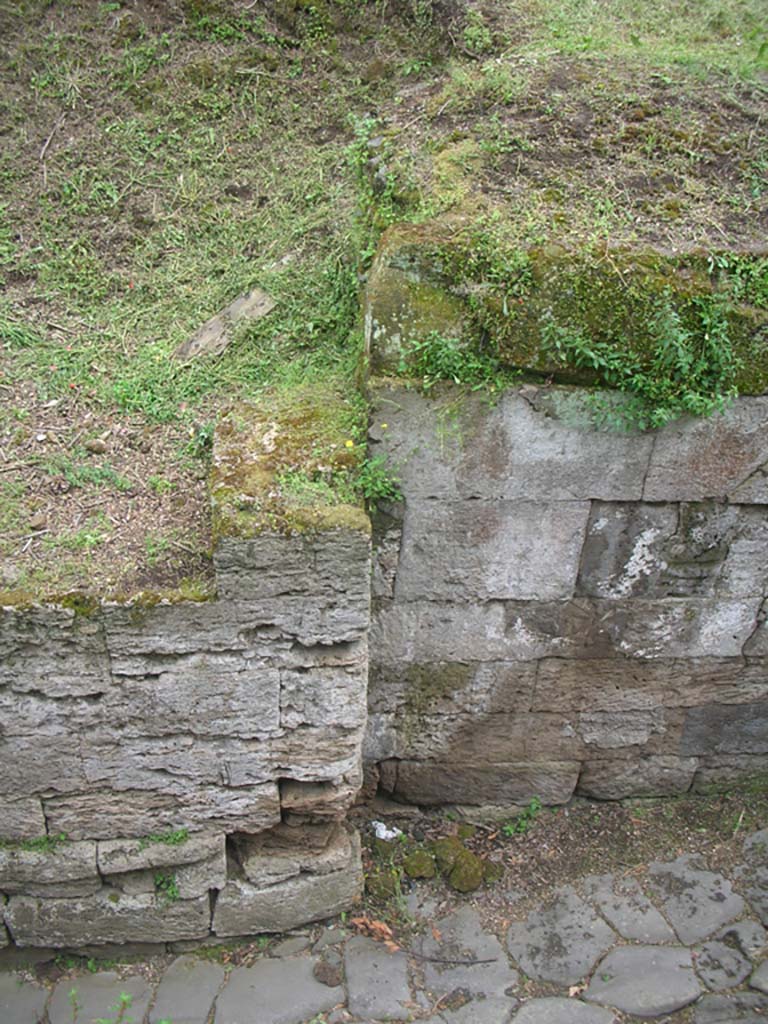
(285, 992)
(377, 981)
(330, 937)
(493, 1010)
(748, 936)
(696, 902)
(21, 1001)
(628, 910)
(756, 846)
(290, 947)
(97, 995)
(759, 979)
(562, 942)
(621, 980)
(562, 1011)
(463, 938)
(720, 966)
(740, 1008)
(187, 990)
(755, 888)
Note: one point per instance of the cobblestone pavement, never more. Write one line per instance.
(675, 942)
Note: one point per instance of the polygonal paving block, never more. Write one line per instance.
(275, 991)
(97, 996)
(720, 966)
(562, 1011)
(377, 981)
(477, 962)
(695, 901)
(626, 908)
(21, 1001)
(759, 979)
(186, 991)
(493, 1010)
(646, 981)
(561, 943)
(748, 936)
(739, 1008)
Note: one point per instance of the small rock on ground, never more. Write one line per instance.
(377, 981)
(719, 966)
(561, 943)
(647, 981)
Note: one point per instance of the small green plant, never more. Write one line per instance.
(119, 1011)
(166, 887)
(174, 837)
(376, 482)
(41, 844)
(435, 358)
(160, 484)
(74, 1005)
(522, 823)
(477, 35)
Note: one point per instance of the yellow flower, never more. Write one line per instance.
(384, 426)
(349, 444)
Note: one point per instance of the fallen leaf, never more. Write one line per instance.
(575, 990)
(436, 934)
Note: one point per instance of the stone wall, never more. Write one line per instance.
(196, 759)
(560, 609)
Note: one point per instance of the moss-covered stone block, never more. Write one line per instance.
(420, 864)
(461, 277)
(447, 851)
(467, 872)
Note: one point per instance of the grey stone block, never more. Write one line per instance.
(622, 980)
(726, 771)
(108, 916)
(491, 1010)
(555, 1010)
(285, 992)
(696, 902)
(335, 697)
(244, 909)
(97, 996)
(627, 909)
(22, 1001)
(726, 729)
(661, 775)
(118, 855)
(504, 784)
(490, 550)
(747, 936)
(21, 819)
(476, 962)
(740, 1008)
(65, 869)
(719, 966)
(186, 991)
(759, 979)
(714, 457)
(377, 981)
(562, 942)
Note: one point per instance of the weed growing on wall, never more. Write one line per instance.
(436, 358)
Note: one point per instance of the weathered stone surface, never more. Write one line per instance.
(24, 1003)
(747, 936)
(463, 938)
(662, 775)
(611, 684)
(106, 814)
(283, 852)
(726, 729)
(656, 551)
(335, 697)
(562, 942)
(118, 855)
(65, 869)
(555, 1010)
(726, 771)
(290, 947)
(483, 550)
(285, 992)
(759, 979)
(21, 819)
(715, 457)
(695, 902)
(622, 980)
(491, 1010)
(510, 784)
(740, 1008)
(97, 996)
(513, 450)
(186, 991)
(377, 981)
(719, 966)
(243, 909)
(627, 909)
(108, 916)
(451, 688)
